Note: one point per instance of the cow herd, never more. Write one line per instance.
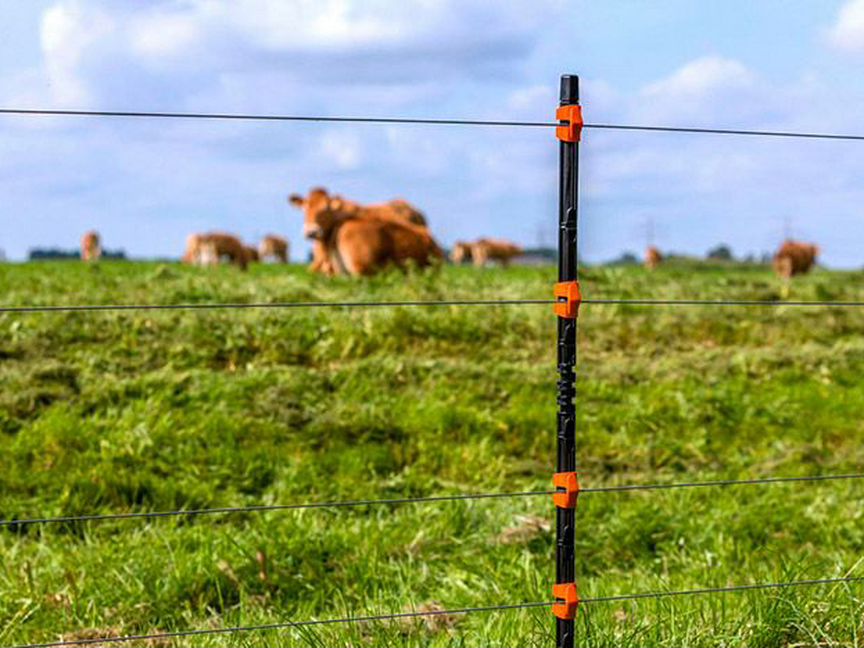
(347, 239)
(359, 240)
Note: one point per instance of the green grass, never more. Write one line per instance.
(140, 411)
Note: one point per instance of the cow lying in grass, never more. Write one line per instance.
(209, 249)
(653, 258)
(91, 247)
(361, 240)
(273, 247)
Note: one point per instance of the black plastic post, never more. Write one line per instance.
(568, 176)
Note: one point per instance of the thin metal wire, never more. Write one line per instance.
(419, 500)
(285, 625)
(723, 590)
(720, 482)
(727, 131)
(420, 121)
(271, 507)
(421, 303)
(459, 611)
(722, 302)
(277, 118)
(275, 305)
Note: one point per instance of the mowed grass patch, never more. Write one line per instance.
(147, 411)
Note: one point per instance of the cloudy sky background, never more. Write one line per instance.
(773, 64)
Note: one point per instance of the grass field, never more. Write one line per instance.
(108, 412)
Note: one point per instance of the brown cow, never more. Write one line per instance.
(321, 262)
(91, 247)
(398, 210)
(653, 258)
(461, 252)
(273, 247)
(192, 255)
(251, 254)
(795, 258)
(208, 249)
(485, 250)
(355, 240)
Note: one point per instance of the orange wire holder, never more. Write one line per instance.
(567, 595)
(569, 481)
(571, 131)
(567, 299)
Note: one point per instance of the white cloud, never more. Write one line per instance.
(342, 148)
(706, 90)
(163, 38)
(100, 49)
(701, 78)
(68, 32)
(848, 32)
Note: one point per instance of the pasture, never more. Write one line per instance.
(136, 411)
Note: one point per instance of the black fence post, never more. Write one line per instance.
(567, 303)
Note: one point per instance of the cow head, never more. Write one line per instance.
(320, 211)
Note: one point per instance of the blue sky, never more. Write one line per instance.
(795, 64)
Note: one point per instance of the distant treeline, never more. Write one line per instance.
(541, 253)
(56, 254)
(719, 253)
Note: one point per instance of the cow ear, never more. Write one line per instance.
(296, 200)
(336, 204)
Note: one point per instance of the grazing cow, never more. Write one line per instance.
(273, 247)
(795, 258)
(91, 247)
(192, 255)
(208, 249)
(461, 252)
(251, 254)
(355, 240)
(485, 250)
(653, 258)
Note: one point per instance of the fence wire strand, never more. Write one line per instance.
(727, 131)
(418, 303)
(457, 611)
(418, 121)
(722, 302)
(274, 305)
(417, 500)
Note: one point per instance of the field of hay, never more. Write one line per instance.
(141, 411)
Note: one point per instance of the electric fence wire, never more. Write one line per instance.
(418, 121)
(417, 500)
(285, 625)
(11, 310)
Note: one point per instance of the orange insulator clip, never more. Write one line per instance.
(572, 130)
(569, 481)
(567, 299)
(569, 594)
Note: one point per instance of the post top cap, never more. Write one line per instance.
(569, 88)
